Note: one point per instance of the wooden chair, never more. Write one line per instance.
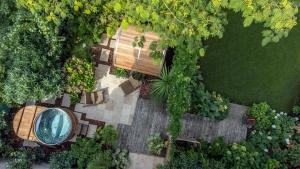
(97, 97)
(130, 85)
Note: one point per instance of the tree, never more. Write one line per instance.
(31, 60)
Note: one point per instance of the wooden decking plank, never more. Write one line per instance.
(26, 122)
(17, 120)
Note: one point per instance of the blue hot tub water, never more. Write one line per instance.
(53, 126)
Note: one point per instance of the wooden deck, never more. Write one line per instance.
(151, 118)
(23, 121)
(132, 58)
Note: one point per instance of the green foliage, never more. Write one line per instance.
(107, 136)
(217, 147)
(21, 160)
(160, 88)
(208, 104)
(294, 156)
(61, 160)
(261, 112)
(80, 16)
(84, 150)
(180, 92)
(279, 17)
(139, 41)
(121, 159)
(296, 110)
(32, 64)
(155, 53)
(119, 72)
(102, 160)
(239, 156)
(155, 144)
(79, 76)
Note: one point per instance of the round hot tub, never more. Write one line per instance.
(54, 126)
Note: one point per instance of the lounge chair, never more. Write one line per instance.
(96, 97)
(130, 85)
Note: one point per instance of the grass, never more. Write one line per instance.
(238, 67)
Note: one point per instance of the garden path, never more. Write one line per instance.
(150, 118)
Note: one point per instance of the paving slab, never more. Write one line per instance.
(66, 101)
(142, 161)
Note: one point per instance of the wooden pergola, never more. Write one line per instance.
(138, 59)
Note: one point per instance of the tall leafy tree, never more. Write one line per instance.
(32, 64)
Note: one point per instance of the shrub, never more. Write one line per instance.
(217, 148)
(208, 104)
(79, 77)
(61, 160)
(102, 160)
(155, 144)
(274, 130)
(22, 159)
(240, 156)
(160, 88)
(294, 156)
(121, 159)
(107, 135)
(31, 61)
(262, 113)
(84, 150)
(296, 110)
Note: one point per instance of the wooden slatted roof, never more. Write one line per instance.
(134, 58)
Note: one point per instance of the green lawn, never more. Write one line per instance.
(238, 67)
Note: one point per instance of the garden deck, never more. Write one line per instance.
(151, 118)
(23, 121)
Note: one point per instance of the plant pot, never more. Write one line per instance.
(145, 90)
(251, 121)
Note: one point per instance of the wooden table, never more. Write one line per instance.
(23, 121)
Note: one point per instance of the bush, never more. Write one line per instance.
(22, 159)
(262, 113)
(155, 144)
(83, 151)
(217, 148)
(102, 160)
(31, 61)
(61, 160)
(294, 156)
(79, 77)
(5, 129)
(107, 135)
(121, 159)
(206, 104)
(160, 88)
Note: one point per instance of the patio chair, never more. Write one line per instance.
(95, 98)
(130, 85)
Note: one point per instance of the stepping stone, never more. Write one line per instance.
(91, 131)
(112, 43)
(104, 40)
(49, 101)
(27, 143)
(66, 101)
(101, 71)
(104, 55)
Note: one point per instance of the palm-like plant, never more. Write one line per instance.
(161, 87)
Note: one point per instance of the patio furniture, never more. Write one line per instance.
(130, 85)
(97, 97)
